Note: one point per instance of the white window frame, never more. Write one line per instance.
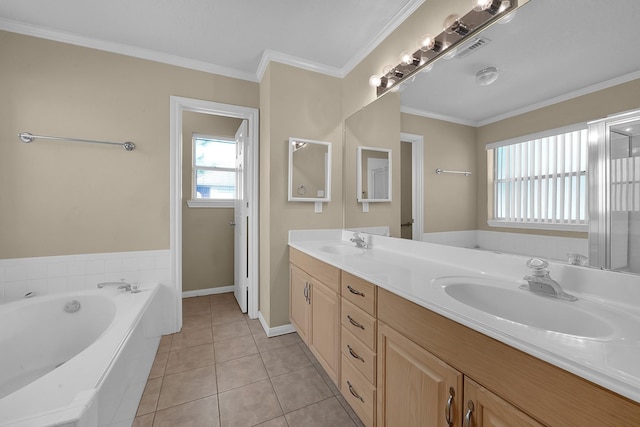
(207, 203)
(538, 223)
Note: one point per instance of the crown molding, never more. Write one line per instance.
(430, 115)
(283, 58)
(565, 97)
(384, 32)
(136, 52)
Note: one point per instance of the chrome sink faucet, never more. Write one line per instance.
(359, 241)
(539, 281)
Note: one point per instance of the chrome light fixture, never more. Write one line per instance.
(456, 30)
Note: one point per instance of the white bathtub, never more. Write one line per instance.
(85, 368)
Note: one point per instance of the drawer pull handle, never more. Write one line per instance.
(467, 417)
(447, 413)
(353, 392)
(354, 291)
(354, 323)
(354, 354)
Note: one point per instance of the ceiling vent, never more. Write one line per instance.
(473, 46)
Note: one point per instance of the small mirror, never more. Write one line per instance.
(373, 174)
(309, 170)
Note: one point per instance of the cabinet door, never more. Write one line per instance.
(299, 307)
(482, 408)
(325, 328)
(415, 388)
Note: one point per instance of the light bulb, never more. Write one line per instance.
(406, 58)
(427, 42)
(375, 81)
(491, 6)
(453, 24)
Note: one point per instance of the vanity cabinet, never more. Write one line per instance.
(415, 388)
(314, 308)
(359, 350)
(484, 409)
(509, 387)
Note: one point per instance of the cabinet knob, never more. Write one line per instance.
(354, 354)
(447, 413)
(354, 393)
(355, 291)
(354, 323)
(468, 415)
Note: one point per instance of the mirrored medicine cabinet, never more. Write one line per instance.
(309, 170)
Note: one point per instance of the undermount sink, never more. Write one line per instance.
(342, 249)
(524, 307)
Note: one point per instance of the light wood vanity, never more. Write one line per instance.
(400, 364)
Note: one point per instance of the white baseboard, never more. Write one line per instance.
(209, 291)
(278, 330)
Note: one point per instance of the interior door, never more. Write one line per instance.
(240, 246)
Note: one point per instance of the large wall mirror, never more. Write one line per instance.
(309, 166)
(544, 56)
(373, 174)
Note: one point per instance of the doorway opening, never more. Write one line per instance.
(412, 186)
(246, 209)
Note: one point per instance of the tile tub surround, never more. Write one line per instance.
(549, 247)
(47, 275)
(222, 370)
(407, 268)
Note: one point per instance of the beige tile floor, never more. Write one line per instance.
(222, 370)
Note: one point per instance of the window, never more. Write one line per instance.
(214, 172)
(540, 181)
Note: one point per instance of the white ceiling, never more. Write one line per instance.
(228, 37)
(552, 50)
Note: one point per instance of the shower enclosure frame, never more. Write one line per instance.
(599, 186)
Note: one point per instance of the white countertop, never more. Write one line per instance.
(415, 271)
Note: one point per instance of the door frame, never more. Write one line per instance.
(178, 105)
(417, 182)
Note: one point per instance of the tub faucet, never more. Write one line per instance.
(121, 285)
(359, 241)
(539, 281)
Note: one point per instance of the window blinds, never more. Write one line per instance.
(541, 180)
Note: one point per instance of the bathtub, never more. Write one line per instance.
(77, 359)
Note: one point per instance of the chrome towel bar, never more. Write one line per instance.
(441, 171)
(27, 137)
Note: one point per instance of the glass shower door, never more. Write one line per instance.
(614, 171)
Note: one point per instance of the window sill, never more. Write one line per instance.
(538, 225)
(203, 203)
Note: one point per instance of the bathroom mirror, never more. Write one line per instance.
(309, 166)
(450, 103)
(373, 172)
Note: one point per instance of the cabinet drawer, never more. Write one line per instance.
(359, 323)
(327, 274)
(359, 292)
(358, 392)
(360, 355)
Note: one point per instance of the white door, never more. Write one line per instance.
(240, 221)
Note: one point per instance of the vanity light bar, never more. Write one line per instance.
(457, 30)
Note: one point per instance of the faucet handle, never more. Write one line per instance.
(538, 266)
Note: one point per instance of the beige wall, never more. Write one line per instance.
(60, 198)
(406, 189)
(207, 237)
(377, 125)
(585, 108)
(449, 200)
(302, 104)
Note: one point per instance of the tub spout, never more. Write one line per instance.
(121, 285)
